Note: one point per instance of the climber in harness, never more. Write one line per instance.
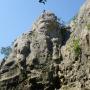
(42, 1)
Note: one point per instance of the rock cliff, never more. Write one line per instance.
(51, 56)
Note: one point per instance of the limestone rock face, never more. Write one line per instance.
(50, 58)
(35, 54)
(76, 52)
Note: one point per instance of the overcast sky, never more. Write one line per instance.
(17, 16)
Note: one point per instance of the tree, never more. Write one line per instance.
(6, 51)
(42, 1)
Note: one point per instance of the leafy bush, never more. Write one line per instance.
(77, 48)
(88, 26)
(5, 51)
(74, 18)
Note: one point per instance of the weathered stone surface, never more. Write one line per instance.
(76, 52)
(34, 56)
(50, 58)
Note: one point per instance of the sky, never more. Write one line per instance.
(17, 16)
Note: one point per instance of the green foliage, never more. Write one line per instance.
(88, 26)
(77, 48)
(74, 18)
(6, 51)
(63, 31)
